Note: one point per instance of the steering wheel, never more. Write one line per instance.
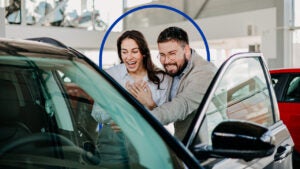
(49, 137)
(39, 137)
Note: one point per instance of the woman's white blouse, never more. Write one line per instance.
(160, 96)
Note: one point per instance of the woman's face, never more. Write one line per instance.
(131, 55)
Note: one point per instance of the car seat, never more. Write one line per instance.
(10, 126)
(293, 93)
(297, 93)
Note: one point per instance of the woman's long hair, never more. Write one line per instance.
(139, 38)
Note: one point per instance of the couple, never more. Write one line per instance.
(172, 95)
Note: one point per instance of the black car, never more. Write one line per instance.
(48, 91)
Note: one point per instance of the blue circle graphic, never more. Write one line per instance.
(153, 6)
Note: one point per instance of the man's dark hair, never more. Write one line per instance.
(173, 33)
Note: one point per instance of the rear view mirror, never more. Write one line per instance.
(237, 139)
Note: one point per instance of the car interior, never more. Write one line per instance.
(24, 111)
(29, 121)
(11, 128)
(293, 93)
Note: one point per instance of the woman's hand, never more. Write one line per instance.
(141, 91)
(115, 127)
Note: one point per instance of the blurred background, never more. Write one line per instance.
(230, 26)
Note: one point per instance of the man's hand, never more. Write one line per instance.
(141, 91)
(115, 127)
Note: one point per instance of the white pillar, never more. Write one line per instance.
(288, 22)
(2, 22)
(83, 5)
(23, 12)
(284, 15)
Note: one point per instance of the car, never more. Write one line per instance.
(286, 82)
(47, 95)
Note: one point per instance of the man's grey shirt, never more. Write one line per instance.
(191, 89)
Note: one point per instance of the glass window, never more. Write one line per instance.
(278, 83)
(88, 14)
(56, 98)
(241, 94)
(13, 11)
(274, 81)
(293, 91)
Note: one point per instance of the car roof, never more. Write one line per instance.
(19, 45)
(285, 70)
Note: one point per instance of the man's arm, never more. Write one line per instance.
(189, 96)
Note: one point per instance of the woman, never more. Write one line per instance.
(136, 68)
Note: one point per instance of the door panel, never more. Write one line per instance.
(291, 117)
(282, 156)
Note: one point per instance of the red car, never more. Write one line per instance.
(286, 83)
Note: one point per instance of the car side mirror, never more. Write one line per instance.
(237, 139)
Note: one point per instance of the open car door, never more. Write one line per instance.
(237, 123)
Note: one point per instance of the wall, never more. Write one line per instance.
(225, 7)
(191, 7)
(76, 38)
(296, 53)
(219, 19)
(231, 26)
(219, 27)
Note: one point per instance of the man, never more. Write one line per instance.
(191, 76)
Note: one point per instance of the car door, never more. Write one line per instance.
(241, 91)
(287, 88)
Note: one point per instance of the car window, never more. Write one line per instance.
(275, 80)
(292, 93)
(241, 94)
(278, 83)
(53, 99)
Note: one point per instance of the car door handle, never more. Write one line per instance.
(282, 152)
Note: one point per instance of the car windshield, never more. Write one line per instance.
(68, 102)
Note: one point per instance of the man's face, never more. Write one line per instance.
(172, 56)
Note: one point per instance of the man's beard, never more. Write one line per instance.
(179, 71)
